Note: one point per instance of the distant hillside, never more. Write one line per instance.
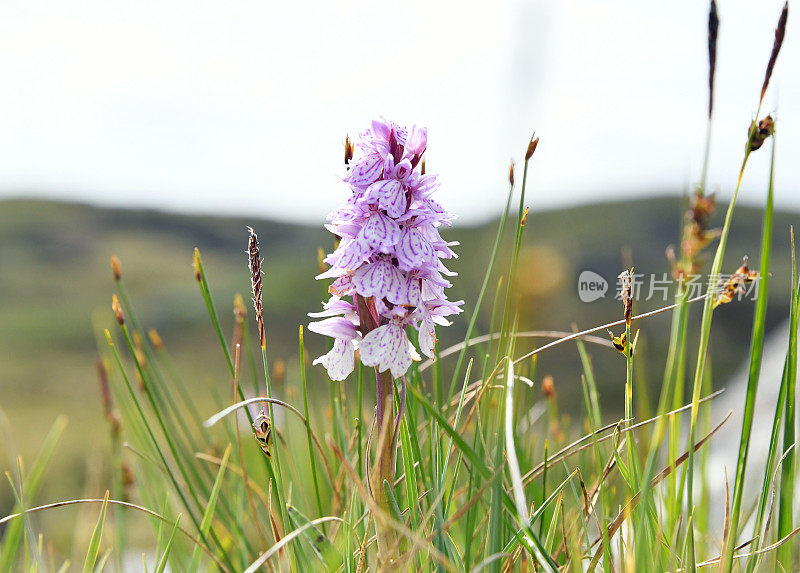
(55, 282)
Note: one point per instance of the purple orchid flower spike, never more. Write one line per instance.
(388, 275)
(390, 252)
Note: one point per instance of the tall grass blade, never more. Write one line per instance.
(311, 461)
(162, 562)
(97, 537)
(756, 353)
(12, 536)
(208, 515)
(788, 470)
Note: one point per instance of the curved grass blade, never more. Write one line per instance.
(30, 487)
(149, 512)
(324, 550)
(256, 565)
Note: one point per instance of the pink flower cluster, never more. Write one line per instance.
(389, 259)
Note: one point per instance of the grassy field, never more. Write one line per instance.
(544, 434)
(56, 282)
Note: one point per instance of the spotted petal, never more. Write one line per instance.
(389, 195)
(349, 255)
(377, 279)
(379, 234)
(366, 170)
(408, 292)
(339, 362)
(427, 336)
(387, 348)
(414, 251)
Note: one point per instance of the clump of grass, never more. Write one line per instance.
(487, 476)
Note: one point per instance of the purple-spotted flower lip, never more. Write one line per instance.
(340, 359)
(389, 257)
(388, 348)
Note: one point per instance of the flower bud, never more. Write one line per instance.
(279, 372)
(196, 265)
(531, 148)
(627, 294)
(348, 150)
(155, 339)
(116, 267)
(239, 310)
(548, 388)
(115, 306)
(760, 132)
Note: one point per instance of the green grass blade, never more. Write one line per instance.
(312, 463)
(477, 462)
(264, 557)
(162, 562)
(702, 355)
(489, 268)
(412, 491)
(200, 275)
(325, 551)
(30, 488)
(756, 353)
(97, 537)
(208, 514)
(786, 499)
(101, 563)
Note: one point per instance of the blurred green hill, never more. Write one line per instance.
(56, 286)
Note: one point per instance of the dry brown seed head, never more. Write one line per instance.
(239, 310)
(780, 32)
(116, 267)
(548, 388)
(627, 294)
(736, 284)
(105, 388)
(713, 30)
(279, 371)
(321, 259)
(702, 208)
(196, 265)
(155, 339)
(760, 132)
(348, 150)
(621, 343)
(511, 173)
(254, 262)
(531, 147)
(128, 481)
(117, 308)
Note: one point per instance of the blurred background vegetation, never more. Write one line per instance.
(56, 286)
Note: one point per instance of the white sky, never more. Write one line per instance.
(242, 106)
